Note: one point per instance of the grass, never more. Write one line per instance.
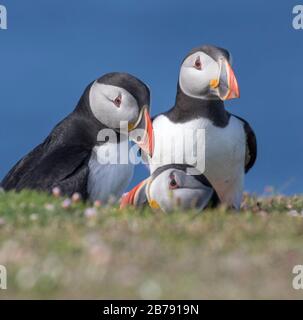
(74, 252)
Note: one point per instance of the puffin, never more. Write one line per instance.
(172, 187)
(88, 151)
(199, 131)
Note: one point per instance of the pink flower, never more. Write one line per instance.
(66, 203)
(97, 203)
(76, 197)
(56, 192)
(90, 212)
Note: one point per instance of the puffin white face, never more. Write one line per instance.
(174, 189)
(203, 77)
(196, 73)
(111, 104)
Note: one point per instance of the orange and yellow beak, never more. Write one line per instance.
(146, 141)
(227, 84)
(233, 92)
(132, 198)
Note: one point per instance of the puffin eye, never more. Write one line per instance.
(118, 100)
(173, 183)
(198, 63)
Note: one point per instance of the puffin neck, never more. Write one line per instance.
(187, 108)
(84, 111)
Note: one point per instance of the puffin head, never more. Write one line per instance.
(206, 73)
(171, 187)
(174, 188)
(121, 97)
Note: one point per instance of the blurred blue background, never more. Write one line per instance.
(53, 49)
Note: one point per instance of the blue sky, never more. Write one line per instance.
(53, 49)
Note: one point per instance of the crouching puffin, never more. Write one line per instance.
(75, 158)
(229, 147)
(172, 187)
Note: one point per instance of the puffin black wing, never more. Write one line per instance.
(13, 177)
(251, 145)
(65, 167)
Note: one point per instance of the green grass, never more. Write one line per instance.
(51, 252)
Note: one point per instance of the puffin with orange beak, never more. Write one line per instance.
(224, 145)
(172, 187)
(88, 151)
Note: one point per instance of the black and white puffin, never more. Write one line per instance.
(171, 187)
(77, 155)
(224, 144)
